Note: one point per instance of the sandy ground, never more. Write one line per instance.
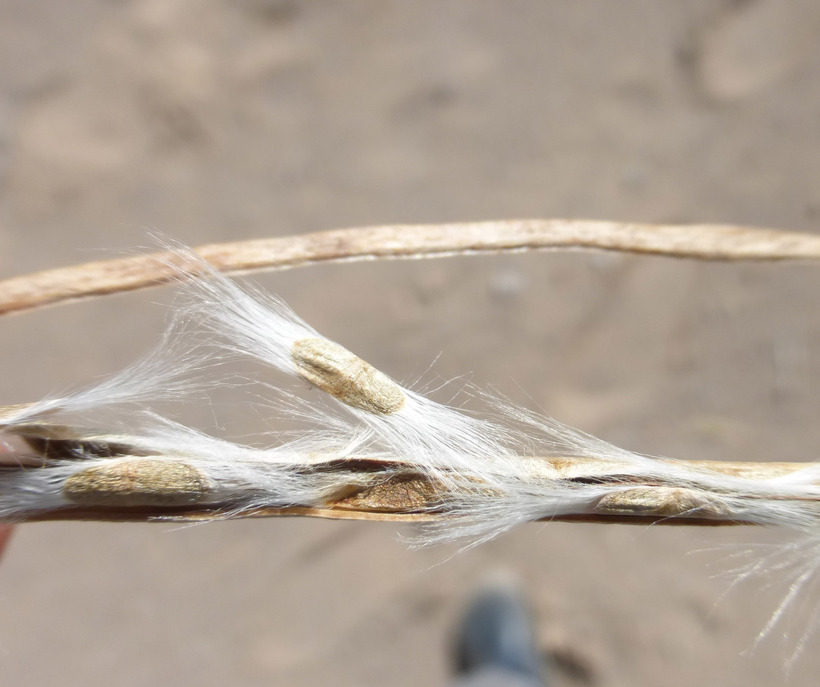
(224, 120)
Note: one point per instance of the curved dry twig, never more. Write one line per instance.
(701, 241)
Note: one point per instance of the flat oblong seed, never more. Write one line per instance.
(142, 482)
(668, 502)
(340, 373)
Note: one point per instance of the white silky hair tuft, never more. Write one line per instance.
(440, 439)
(176, 368)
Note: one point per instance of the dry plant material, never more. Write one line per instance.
(137, 482)
(382, 451)
(373, 450)
(701, 241)
(343, 375)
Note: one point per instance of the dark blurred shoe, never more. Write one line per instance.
(496, 639)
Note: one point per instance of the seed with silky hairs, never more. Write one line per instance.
(337, 371)
(669, 502)
(143, 482)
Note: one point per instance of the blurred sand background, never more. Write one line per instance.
(216, 120)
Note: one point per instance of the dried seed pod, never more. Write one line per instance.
(337, 371)
(138, 482)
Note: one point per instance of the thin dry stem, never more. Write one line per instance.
(701, 241)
